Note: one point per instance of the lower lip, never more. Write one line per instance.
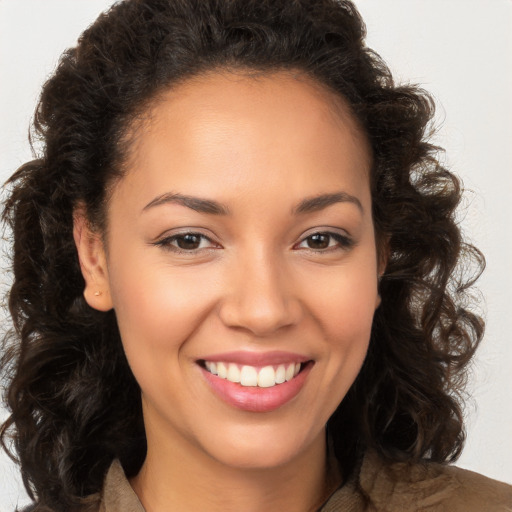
(256, 399)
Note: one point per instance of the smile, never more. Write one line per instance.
(256, 382)
(252, 376)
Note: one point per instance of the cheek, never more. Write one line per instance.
(345, 305)
(159, 307)
(158, 311)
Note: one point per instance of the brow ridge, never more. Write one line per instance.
(194, 203)
(317, 203)
(209, 206)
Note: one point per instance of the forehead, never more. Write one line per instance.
(277, 128)
(240, 97)
(248, 91)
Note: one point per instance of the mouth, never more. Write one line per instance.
(257, 387)
(253, 376)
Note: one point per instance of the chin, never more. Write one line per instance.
(271, 457)
(263, 450)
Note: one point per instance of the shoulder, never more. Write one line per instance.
(88, 504)
(91, 503)
(430, 486)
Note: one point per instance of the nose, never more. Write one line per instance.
(260, 297)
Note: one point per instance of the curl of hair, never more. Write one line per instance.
(75, 405)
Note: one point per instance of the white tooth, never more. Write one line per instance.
(297, 369)
(211, 367)
(290, 370)
(248, 376)
(222, 371)
(266, 377)
(233, 373)
(280, 374)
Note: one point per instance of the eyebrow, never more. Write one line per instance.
(209, 206)
(194, 203)
(317, 203)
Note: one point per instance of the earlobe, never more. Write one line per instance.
(378, 298)
(93, 262)
(382, 261)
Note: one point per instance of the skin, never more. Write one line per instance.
(257, 282)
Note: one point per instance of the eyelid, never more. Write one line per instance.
(345, 240)
(165, 241)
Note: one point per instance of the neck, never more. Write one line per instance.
(178, 477)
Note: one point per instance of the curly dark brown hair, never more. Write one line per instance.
(75, 405)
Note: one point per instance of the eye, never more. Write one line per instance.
(187, 242)
(325, 241)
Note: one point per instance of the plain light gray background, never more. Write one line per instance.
(461, 51)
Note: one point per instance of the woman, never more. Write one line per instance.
(236, 271)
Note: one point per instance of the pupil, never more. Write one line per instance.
(318, 241)
(188, 242)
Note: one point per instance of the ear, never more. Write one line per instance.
(93, 262)
(378, 298)
(382, 262)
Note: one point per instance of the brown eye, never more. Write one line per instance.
(326, 242)
(318, 241)
(188, 242)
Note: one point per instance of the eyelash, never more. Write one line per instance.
(168, 243)
(343, 242)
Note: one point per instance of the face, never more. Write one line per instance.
(241, 264)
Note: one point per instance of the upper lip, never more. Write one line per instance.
(257, 358)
